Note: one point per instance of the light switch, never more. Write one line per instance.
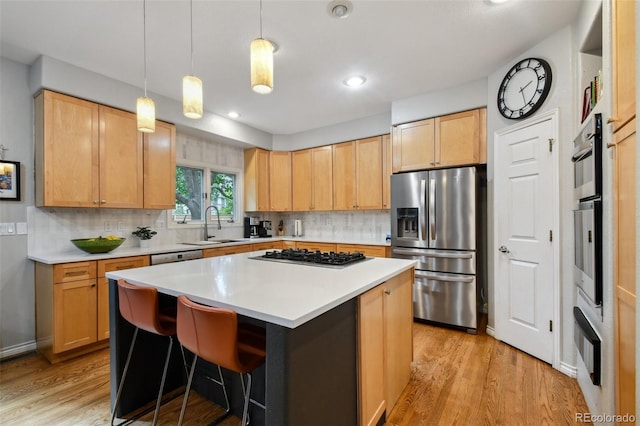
(7, 228)
(21, 228)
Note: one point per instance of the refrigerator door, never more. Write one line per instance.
(457, 262)
(408, 209)
(451, 219)
(433, 293)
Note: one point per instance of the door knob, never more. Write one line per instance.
(503, 249)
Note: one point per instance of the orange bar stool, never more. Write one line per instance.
(139, 306)
(214, 335)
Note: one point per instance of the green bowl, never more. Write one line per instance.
(97, 245)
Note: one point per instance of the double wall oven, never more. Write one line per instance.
(587, 265)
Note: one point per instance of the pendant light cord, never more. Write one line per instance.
(191, 25)
(144, 42)
(260, 18)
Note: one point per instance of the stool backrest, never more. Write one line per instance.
(139, 306)
(211, 333)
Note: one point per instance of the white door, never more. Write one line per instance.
(525, 201)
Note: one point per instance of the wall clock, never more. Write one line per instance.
(524, 88)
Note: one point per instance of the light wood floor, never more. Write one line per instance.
(457, 379)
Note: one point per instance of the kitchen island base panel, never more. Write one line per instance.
(309, 376)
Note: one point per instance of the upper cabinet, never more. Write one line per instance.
(280, 181)
(451, 140)
(160, 167)
(90, 155)
(624, 62)
(357, 174)
(387, 169)
(312, 179)
(256, 180)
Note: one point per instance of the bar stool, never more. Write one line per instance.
(214, 335)
(139, 306)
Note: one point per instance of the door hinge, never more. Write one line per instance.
(550, 235)
(550, 325)
(550, 144)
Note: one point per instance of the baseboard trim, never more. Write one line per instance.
(16, 350)
(491, 331)
(568, 370)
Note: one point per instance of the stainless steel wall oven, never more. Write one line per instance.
(587, 160)
(588, 249)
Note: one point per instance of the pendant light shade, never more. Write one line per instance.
(261, 66)
(146, 114)
(192, 96)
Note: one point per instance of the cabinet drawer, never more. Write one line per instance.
(288, 244)
(121, 263)
(267, 245)
(311, 246)
(224, 251)
(67, 272)
(367, 250)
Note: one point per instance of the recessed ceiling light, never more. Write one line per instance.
(339, 9)
(497, 1)
(233, 114)
(355, 81)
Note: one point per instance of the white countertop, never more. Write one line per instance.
(285, 294)
(74, 254)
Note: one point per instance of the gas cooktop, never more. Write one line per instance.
(313, 258)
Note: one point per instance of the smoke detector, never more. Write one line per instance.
(339, 9)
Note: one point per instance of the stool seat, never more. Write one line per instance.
(215, 335)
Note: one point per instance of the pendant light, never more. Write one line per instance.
(192, 87)
(261, 63)
(145, 108)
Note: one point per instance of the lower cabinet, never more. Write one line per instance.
(385, 346)
(267, 245)
(367, 250)
(314, 246)
(72, 305)
(223, 251)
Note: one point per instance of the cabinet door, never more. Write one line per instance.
(344, 176)
(301, 180)
(160, 167)
(625, 256)
(103, 308)
(624, 61)
(280, 181)
(371, 363)
(398, 323)
(322, 178)
(256, 180)
(387, 168)
(74, 314)
(413, 146)
(369, 173)
(458, 139)
(67, 151)
(367, 250)
(121, 165)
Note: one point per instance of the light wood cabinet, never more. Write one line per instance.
(224, 251)
(366, 249)
(256, 180)
(280, 181)
(357, 174)
(91, 155)
(625, 255)
(160, 167)
(624, 62)
(312, 179)
(451, 140)
(315, 246)
(385, 346)
(267, 245)
(387, 170)
(72, 306)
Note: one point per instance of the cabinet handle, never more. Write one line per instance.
(612, 120)
(93, 285)
(95, 201)
(387, 292)
(103, 201)
(611, 145)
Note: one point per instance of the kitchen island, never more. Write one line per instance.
(311, 319)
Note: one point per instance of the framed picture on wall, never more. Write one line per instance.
(9, 180)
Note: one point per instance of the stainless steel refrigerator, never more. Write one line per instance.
(435, 220)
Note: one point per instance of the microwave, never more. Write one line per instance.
(587, 160)
(587, 270)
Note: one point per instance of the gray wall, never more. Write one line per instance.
(17, 314)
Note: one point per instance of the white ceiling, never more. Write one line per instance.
(404, 48)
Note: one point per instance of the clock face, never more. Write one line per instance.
(524, 88)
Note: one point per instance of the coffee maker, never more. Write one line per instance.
(252, 226)
(265, 229)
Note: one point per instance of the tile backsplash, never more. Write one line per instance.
(50, 229)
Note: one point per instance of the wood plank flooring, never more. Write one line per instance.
(457, 379)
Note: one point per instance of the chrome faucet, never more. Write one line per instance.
(206, 222)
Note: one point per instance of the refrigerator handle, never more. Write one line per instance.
(444, 277)
(423, 196)
(432, 208)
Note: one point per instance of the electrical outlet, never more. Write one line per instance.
(120, 226)
(159, 224)
(107, 226)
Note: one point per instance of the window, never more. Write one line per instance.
(196, 185)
